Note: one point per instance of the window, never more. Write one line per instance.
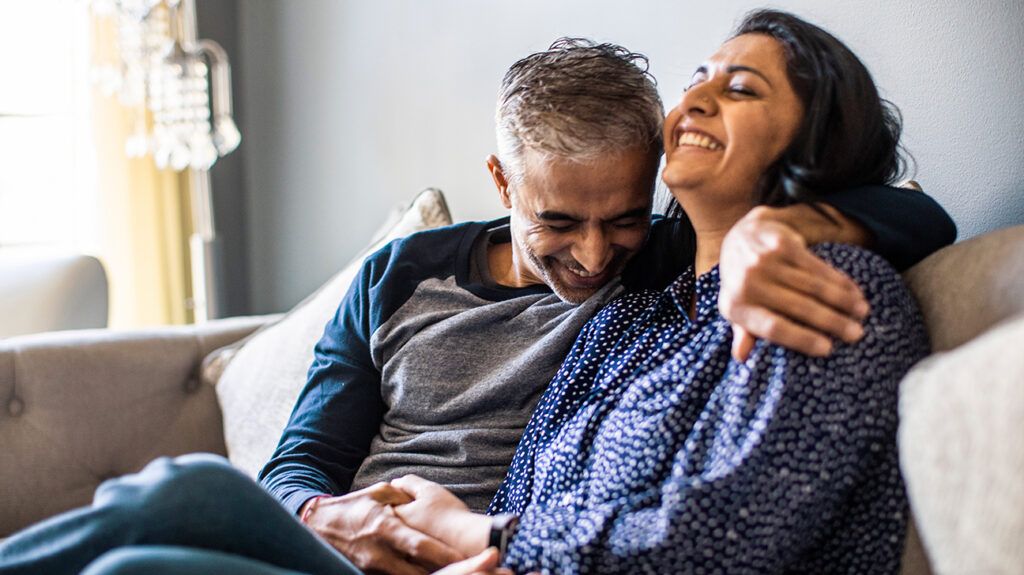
(46, 155)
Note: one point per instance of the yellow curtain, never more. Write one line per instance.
(143, 235)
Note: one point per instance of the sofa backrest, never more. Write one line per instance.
(969, 287)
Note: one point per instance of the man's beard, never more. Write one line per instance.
(567, 293)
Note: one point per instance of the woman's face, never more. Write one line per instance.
(736, 118)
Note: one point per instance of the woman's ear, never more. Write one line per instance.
(500, 181)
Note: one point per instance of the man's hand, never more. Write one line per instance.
(774, 288)
(364, 527)
(437, 512)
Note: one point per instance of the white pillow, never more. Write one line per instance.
(962, 454)
(263, 377)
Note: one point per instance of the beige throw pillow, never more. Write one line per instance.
(263, 377)
(962, 453)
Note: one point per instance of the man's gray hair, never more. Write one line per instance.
(577, 101)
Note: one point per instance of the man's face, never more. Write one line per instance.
(575, 225)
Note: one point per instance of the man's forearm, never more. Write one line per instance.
(817, 224)
(904, 225)
(294, 487)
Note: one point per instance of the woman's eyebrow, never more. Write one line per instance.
(737, 68)
(733, 69)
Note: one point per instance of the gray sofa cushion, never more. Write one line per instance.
(960, 436)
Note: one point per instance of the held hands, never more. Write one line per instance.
(774, 288)
(364, 527)
(440, 514)
(408, 526)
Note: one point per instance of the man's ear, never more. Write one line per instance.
(500, 181)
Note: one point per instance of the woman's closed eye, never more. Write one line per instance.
(742, 89)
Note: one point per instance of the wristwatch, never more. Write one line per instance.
(503, 526)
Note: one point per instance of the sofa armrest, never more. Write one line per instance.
(79, 407)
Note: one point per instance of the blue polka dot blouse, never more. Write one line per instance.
(652, 451)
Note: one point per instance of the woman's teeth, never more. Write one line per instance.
(699, 140)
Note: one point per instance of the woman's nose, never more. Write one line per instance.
(698, 101)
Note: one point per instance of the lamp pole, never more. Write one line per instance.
(204, 253)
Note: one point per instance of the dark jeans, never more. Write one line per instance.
(192, 514)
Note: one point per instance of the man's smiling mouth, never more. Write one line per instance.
(582, 279)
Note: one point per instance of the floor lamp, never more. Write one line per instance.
(185, 83)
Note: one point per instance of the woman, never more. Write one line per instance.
(652, 450)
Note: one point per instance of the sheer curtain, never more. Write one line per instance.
(144, 224)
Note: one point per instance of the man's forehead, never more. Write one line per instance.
(582, 203)
(585, 191)
(629, 168)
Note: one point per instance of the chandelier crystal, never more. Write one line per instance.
(183, 82)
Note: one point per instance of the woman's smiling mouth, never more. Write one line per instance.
(699, 140)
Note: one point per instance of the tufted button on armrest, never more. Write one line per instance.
(15, 407)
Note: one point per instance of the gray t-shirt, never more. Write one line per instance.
(461, 374)
(428, 367)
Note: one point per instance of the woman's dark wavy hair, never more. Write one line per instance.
(849, 136)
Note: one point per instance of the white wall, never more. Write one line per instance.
(351, 107)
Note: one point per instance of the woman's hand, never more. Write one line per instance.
(437, 512)
(486, 563)
(774, 288)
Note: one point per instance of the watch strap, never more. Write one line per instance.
(503, 526)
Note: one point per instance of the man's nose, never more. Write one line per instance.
(593, 250)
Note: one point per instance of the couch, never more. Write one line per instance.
(79, 407)
(50, 291)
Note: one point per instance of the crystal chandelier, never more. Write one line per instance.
(183, 81)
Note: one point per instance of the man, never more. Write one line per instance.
(445, 341)
(438, 354)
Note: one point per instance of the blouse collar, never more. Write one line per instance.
(706, 288)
